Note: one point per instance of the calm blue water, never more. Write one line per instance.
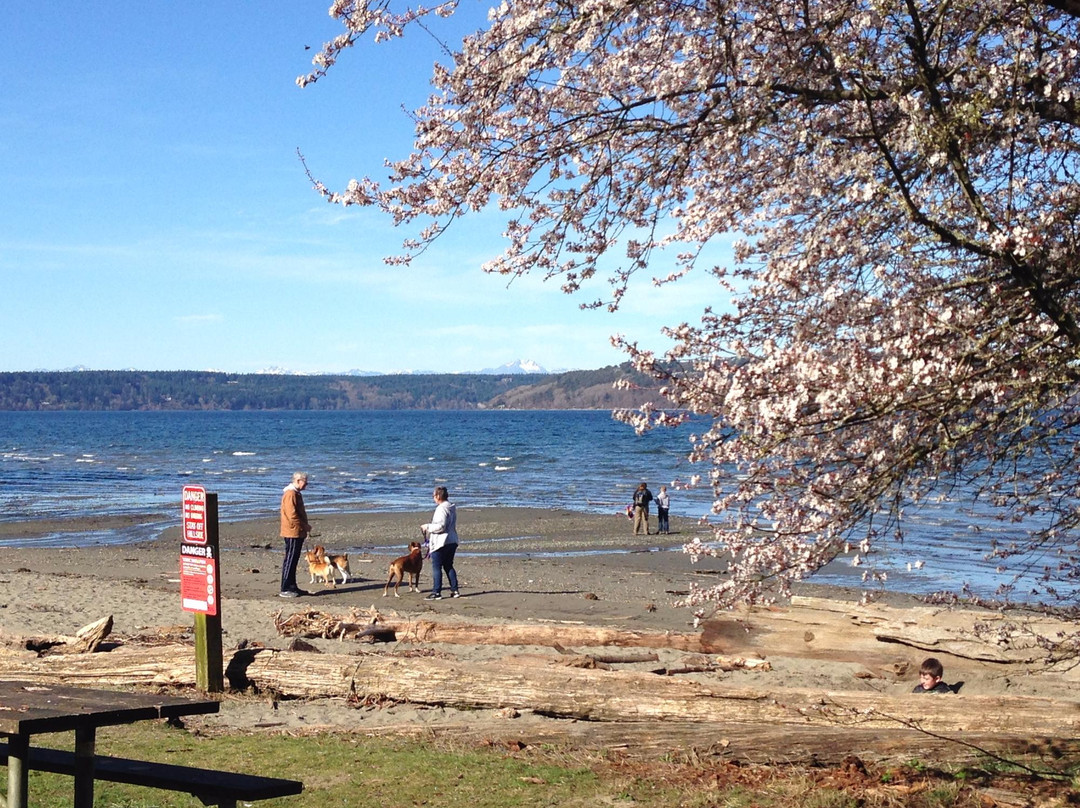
(82, 464)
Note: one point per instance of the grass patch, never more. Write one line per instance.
(345, 769)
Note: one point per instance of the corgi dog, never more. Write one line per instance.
(320, 568)
(411, 564)
(340, 563)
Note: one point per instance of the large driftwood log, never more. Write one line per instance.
(598, 695)
(163, 665)
(554, 690)
(961, 632)
(323, 624)
(545, 634)
(809, 626)
(809, 622)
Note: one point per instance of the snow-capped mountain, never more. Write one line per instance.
(517, 366)
(523, 366)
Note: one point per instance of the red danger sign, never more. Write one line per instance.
(198, 581)
(200, 586)
(194, 514)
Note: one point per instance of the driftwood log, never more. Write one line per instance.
(598, 695)
(86, 640)
(165, 665)
(315, 624)
(552, 689)
(979, 635)
(815, 627)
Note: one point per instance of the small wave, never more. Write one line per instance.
(504, 468)
(243, 454)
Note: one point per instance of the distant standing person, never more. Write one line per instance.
(663, 502)
(294, 529)
(442, 537)
(642, 497)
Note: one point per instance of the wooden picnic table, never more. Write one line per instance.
(28, 709)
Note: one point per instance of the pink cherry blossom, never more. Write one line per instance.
(900, 180)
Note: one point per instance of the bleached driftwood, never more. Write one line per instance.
(553, 690)
(86, 640)
(598, 695)
(937, 640)
(124, 666)
(315, 623)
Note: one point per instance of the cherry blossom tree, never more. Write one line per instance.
(899, 317)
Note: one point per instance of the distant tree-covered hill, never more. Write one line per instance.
(207, 390)
(581, 389)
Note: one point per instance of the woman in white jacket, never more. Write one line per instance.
(442, 538)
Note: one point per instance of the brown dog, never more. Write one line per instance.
(338, 564)
(411, 564)
(319, 567)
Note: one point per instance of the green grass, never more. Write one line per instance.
(351, 770)
(344, 769)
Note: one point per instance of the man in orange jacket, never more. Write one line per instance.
(294, 529)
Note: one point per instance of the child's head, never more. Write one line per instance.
(930, 672)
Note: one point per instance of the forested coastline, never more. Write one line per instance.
(212, 390)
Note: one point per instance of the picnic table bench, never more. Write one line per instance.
(28, 709)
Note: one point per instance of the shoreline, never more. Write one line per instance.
(338, 522)
(489, 534)
(514, 563)
(495, 532)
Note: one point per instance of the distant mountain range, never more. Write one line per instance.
(523, 366)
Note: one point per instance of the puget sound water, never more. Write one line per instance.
(71, 465)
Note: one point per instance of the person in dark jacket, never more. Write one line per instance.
(642, 497)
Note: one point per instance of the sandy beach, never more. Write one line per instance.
(138, 583)
(554, 569)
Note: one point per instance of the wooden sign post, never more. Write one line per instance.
(200, 584)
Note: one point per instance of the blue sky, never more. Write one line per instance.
(155, 214)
